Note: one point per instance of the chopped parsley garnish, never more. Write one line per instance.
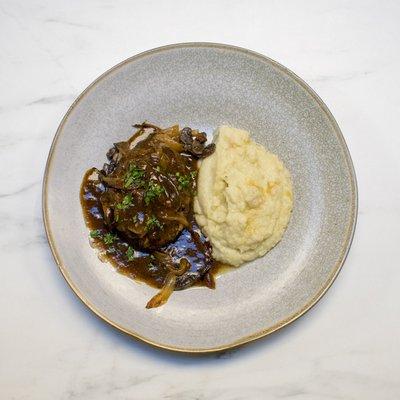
(153, 223)
(109, 238)
(130, 254)
(95, 234)
(183, 180)
(193, 174)
(154, 190)
(151, 266)
(126, 202)
(134, 177)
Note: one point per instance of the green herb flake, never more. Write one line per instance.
(154, 190)
(153, 223)
(183, 181)
(134, 177)
(130, 254)
(126, 202)
(109, 238)
(193, 174)
(95, 234)
(151, 266)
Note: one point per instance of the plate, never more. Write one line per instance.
(204, 85)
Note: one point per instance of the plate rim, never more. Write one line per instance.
(263, 332)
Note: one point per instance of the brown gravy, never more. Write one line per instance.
(145, 264)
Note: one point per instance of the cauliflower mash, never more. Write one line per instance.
(244, 198)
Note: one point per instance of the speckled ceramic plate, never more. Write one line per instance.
(204, 85)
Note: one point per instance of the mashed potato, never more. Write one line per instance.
(244, 198)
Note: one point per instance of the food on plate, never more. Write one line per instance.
(170, 210)
(139, 208)
(244, 198)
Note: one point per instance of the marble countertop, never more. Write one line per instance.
(53, 347)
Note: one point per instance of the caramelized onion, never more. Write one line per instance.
(176, 217)
(116, 183)
(171, 143)
(209, 280)
(173, 131)
(163, 295)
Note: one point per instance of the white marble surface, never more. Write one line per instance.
(347, 347)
